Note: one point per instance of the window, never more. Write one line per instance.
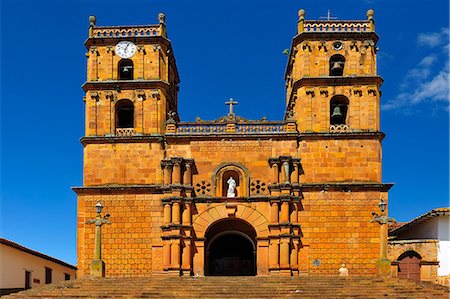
(124, 114)
(66, 276)
(27, 280)
(338, 110)
(48, 275)
(337, 63)
(126, 69)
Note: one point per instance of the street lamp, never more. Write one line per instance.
(97, 265)
(383, 264)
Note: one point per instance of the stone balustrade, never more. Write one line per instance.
(120, 32)
(336, 26)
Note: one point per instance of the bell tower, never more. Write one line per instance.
(331, 77)
(131, 79)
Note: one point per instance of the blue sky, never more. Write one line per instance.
(223, 49)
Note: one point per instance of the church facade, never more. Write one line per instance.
(233, 196)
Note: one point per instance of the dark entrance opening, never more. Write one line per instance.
(230, 249)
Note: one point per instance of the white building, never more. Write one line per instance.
(22, 268)
(420, 249)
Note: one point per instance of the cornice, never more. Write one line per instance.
(119, 189)
(124, 84)
(344, 186)
(112, 41)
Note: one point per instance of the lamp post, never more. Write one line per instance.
(97, 264)
(383, 264)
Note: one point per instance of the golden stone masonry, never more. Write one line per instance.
(233, 196)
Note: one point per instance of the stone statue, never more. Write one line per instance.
(231, 192)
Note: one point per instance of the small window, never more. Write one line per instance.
(48, 275)
(124, 114)
(66, 276)
(27, 280)
(126, 69)
(338, 110)
(337, 63)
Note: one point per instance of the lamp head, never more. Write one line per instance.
(98, 207)
(382, 205)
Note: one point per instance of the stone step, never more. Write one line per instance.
(238, 287)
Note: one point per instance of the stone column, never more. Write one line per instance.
(274, 213)
(187, 214)
(187, 177)
(176, 175)
(284, 253)
(284, 212)
(294, 255)
(294, 213)
(186, 257)
(274, 179)
(273, 254)
(175, 256)
(167, 214)
(176, 213)
(167, 172)
(166, 255)
(295, 171)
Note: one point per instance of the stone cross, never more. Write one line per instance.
(329, 17)
(231, 103)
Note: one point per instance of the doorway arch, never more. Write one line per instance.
(230, 249)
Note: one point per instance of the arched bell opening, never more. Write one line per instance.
(337, 63)
(338, 110)
(230, 249)
(126, 69)
(124, 114)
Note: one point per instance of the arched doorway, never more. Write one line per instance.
(409, 265)
(230, 249)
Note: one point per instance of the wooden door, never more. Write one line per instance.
(409, 266)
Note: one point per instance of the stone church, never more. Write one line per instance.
(233, 196)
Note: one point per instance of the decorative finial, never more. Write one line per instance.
(92, 20)
(162, 18)
(301, 14)
(370, 14)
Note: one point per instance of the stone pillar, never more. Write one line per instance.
(166, 255)
(294, 213)
(176, 175)
(176, 213)
(274, 213)
(175, 256)
(284, 253)
(167, 214)
(294, 255)
(295, 171)
(274, 254)
(274, 179)
(187, 177)
(167, 172)
(199, 258)
(187, 214)
(186, 257)
(284, 212)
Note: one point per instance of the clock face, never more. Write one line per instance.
(125, 49)
(337, 46)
